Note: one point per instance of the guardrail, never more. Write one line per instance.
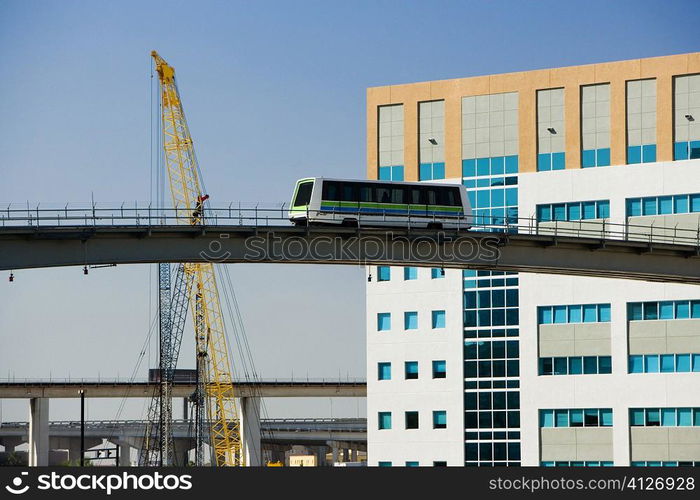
(147, 216)
(113, 381)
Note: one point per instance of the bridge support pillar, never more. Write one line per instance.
(124, 454)
(38, 432)
(353, 454)
(250, 431)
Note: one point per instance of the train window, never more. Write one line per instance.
(382, 193)
(431, 196)
(450, 197)
(349, 190)
(303, 194)
(397, 194)
(415, 197)
(331, 191)
(366, 193)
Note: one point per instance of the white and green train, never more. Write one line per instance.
(319, 201)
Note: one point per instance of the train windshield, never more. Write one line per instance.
(303, 194)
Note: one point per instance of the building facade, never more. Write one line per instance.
(483, 368)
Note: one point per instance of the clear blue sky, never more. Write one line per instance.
(273, 91)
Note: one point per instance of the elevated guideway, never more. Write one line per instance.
(34, 238)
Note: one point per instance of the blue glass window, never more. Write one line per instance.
(384, 418)
(575, 314)
(603, 209)
(604, 313)
(590, 313)
(558, 161)
(438, 318)
(560, 314)
(634, 154)
(410, 320)
(384, 371)
(410, 273)
(634, 207)
(576, 366)
(682, 309)
(696, 362)
(511, 164)
(439, 419)
(665, 205)
(411, 370)
(439, 369)
(383, 273)
(589, 210)
(651, 364)
(546, 418)
(383, 464)
(637, 417)
(636, 364)
(588, 158)
(685, 417)
(667, 363)
(680, 151)
(469, 168)
(544, 162)
(682, 362)
(606, 417)
(665, 310)
(397, 173)
(412, 464)
(680, 204)
(561, 418)
(383, 321)
(649, 206)
(437, 273)
(603, 157)
(668, 417)
(649, 153)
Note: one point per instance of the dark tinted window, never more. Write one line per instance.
(415, 196)
(331, 190)
(349, 190)
(431, 197)
(303, 194)
(366, 193)
(397, 194)
(382, 193)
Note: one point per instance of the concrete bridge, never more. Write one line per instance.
(340, 436)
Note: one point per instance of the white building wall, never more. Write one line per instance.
(619, 390)
(424, 445)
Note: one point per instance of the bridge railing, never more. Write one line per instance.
(117, 380)
(147, 216)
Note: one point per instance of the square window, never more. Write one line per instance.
(604, 365)
(384, 371)
(591, 418)
(606, 417)
(559, 211)
(483, 166)
(651, 363)
(511, 164)
(683, 362)
(604, 313)
(634, 207)
(637, 417)
(410, 320)
(438, 319)
(576, 365)
(634, 154)
(575, 314)
(439, 419)
(665, 205)
(558, 161)
(666, 310)
(636, 364)
(469, 168)
(649, 153)
(588, 209)
(668, 417)
(411, 370)
(383, 322)
(603, 157)
(634, 311)
(397, 173)
(439, 369)
(384, 173)
(576, 417)
(603, 209)
(384, 420)
(652, 417)
(544, 162)
(680, 151)
(649, 205)
(680, 204)
(561, 418)
(383, 273)
(544, 213)
(667, 363)
(410, 273)
(590, 313)
(588, 158)
(651, 310)
(573, 211)
(544, 315)
(411, 420)
(437, 273)
(590, 365)
(559, 314)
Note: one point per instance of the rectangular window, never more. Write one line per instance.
(383, 322)
(391, 143)
(595, 125)
(438, 319)
(411, 420)
(410, 320)
(437, 273)
(686, 114)
(551, 137)
(411, 370)
(383, 273)
(666, 310)
(412, 464)
(641, 121)
(439, 369)
(576, 313)
(383, 464)
(431, 143)
(573, 211)
(384, 418)
(439, 419)
(589, 417)
(384, 371)
(410, 273)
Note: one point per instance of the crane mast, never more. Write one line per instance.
(215, 384)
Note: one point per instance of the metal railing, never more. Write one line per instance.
(147, 216)
(117, 381)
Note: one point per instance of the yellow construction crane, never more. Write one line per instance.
(213, 359)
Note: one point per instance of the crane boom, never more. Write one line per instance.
(188, 201)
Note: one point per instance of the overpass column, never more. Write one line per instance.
(38, 432)
(124, 453)
(250, 431)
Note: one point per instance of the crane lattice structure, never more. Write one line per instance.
(214, 399)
